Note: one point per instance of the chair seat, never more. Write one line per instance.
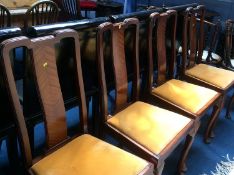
(190, 97)
(88, 5)
(217, 77)
(214, 56)
(148, 125)
(87, 155)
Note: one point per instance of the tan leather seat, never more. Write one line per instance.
(220, 78)
(150, 126)
(85, 154)
(186, 95)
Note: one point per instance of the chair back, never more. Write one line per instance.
(157, 29)
(228, 47)
(5, 17)
(41, 12)
(193, 37)
(117, 32)
(42, 53)
(70, 9)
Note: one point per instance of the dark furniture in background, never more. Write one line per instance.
(228, 61)
(106, 8)
(123, 122)
(41, 12)
(5, 17)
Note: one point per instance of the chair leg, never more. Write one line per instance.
(228, 113)
(159, 169)
(182, 168)
(211, 124)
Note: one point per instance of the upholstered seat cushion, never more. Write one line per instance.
(87, 155)
(188, 96)
(217, 77)
(148, 125)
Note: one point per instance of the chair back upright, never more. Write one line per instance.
(41, 12)
(42, 53)
(5, 17)
(70, 9)
(193, 37)
(228, 47)
(157, 28)
(119, 64)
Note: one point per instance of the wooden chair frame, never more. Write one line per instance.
(121, 102)
(191, 60)
(53, 141)
(163, 76)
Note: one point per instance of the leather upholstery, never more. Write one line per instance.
(185, 95)
(87, 155)
(220, 78)
(150, 126)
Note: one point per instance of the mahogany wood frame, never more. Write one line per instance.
(190, 61)
(162, 74)
(54, 140)
(120, 72)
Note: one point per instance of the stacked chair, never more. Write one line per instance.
(218, 79)
(5, 17)
(84, 154)
(170, 113)
(228, 61)
(149, 131)
(185, 98)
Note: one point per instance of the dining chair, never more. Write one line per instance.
(83, 154)
(228, 61)
(41, 12)
(182, 97)
(5, 17)
(149, 131)
(70, 9)
(194, 71)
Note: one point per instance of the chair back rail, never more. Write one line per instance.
(41, 12)
(5, 17)
(160, 22)
(119, 64)
(42, 52)
(195, 44)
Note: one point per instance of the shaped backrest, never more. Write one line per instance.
(117, 32)
(193, 37)
(42, 53)
(157, 40)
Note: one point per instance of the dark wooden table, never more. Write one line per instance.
(106, 8)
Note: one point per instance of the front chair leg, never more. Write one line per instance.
(228, 113)
(159, 169)
(182, 168)
(209, 131)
